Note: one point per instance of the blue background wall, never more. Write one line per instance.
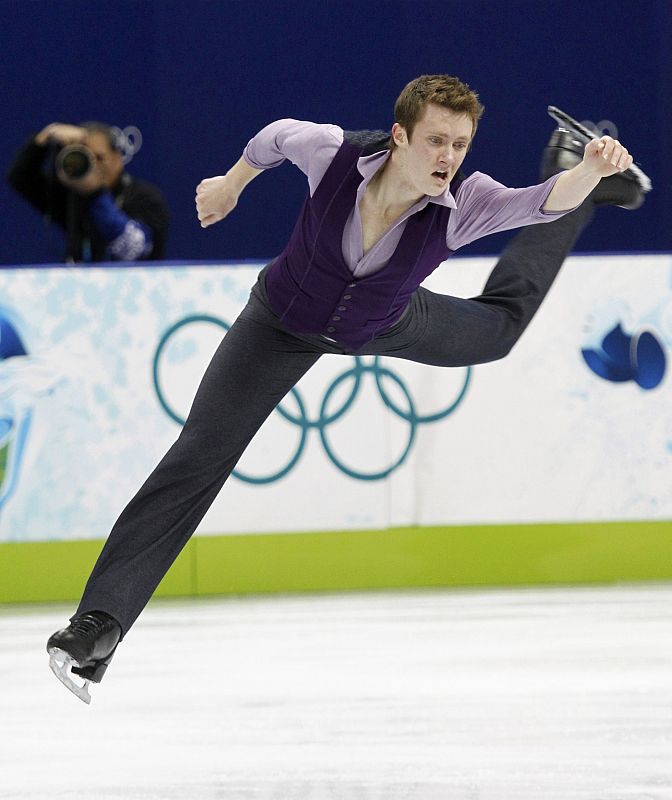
(200, 78)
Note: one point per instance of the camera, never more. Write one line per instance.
(73, 163)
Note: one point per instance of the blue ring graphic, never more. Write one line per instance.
(276, 476)
(356, 373)
(412, 417)
(159, 351)
(324, 419)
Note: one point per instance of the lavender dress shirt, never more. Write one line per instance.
(481, 206)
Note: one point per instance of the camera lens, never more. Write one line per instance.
(74, 162)
(75, 165)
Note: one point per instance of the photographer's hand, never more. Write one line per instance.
(61, 133)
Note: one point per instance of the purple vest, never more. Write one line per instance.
(309, 285)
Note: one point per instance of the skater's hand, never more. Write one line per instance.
(215, 199)
(606, 156)
(601, 158)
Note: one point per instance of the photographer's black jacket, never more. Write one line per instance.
(32, 176)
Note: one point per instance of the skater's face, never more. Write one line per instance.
(436, 150)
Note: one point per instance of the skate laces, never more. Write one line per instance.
(91, 626)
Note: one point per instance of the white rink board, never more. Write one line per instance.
(536, 437)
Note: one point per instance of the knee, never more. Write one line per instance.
(496, 351)
(504, 347)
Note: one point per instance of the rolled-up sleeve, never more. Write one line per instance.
(485, 206)
(308, 145)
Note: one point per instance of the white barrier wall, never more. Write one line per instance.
(98, 364)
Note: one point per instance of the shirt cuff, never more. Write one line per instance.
(255, 164)
(551, 183)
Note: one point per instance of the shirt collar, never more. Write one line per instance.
(369, 165)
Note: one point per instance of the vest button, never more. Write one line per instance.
(331, 329)
(336, 318)
(347, 297)
(352, 285)
(342, 308)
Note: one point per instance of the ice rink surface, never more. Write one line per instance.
(553, 694)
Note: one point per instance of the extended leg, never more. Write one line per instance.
(449, 331)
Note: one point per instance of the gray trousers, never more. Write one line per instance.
(257, 364)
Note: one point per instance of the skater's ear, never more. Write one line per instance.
(399, 136)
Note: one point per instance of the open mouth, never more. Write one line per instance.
(442, 176)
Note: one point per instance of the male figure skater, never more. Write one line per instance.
(382, 213)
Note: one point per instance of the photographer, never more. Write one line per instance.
(75, 176)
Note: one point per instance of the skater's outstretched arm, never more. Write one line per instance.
(601, 158)
(308, 145)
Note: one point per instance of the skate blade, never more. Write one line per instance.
(60, 662)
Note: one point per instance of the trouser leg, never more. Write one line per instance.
(256, 364)
(449, 331)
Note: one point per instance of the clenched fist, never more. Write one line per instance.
(215, 199)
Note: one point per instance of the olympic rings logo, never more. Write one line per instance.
(325, 418)
(129, 141)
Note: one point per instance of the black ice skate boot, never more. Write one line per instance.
(565, 150)
(87, 646)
